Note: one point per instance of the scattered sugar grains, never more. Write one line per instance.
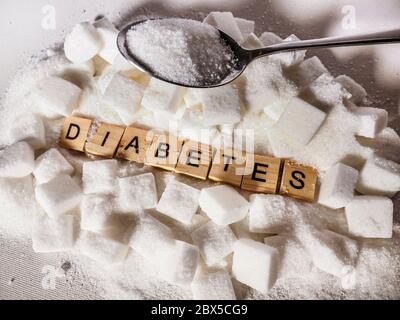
(321, 253)
(181, 50)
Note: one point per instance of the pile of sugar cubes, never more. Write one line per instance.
(258, 239)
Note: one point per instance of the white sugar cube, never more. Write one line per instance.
(124, 95)
(246, 27)
(59, 195)
(162, 96)
(99, 176)
(178, 265)
(150, 238)
(275, 110)
(17, 160)
(372, 121)
(56, 97)
(337, 186)
(85, 68)
(294, 259)
(252, 42)
(96, 212)
(225, 22)
(370, 217)
(308, 71)
(190, 118)
(120, 64)
(28, 128)
(330, 252)
(223, 204)
(179, 201)
(83, 43)
(255, 264)
(108, 35)
(379, 176)
(214, 242)
(102, 249)
(53, 235)
(213, 286)
(358, 93)
(327, 90)
(268, 213)
(289, 59)
(51, 164)
(270, 38)
(191, 98)
(220, 105)
(137, 193)
(300, 121)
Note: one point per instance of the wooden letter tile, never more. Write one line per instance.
(262, 174)
(195, 160)
(105, 140)
(134, 144)
(228, 166)
(163, 151)
(74, 133)
(298, 181)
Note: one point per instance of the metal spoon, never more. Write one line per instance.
(244, 56)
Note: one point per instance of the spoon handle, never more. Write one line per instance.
(391, 36)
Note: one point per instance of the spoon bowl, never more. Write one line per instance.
(243, 57)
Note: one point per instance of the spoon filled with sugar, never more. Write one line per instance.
(192, 54)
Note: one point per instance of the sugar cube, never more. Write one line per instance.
(252, 42)
(337, 186)
(379, 176)
(294, 259)
(179, 201)
(213, 286)
(49, 165)
(225, 22)
(178, 266)
(275, 110)
(330, 252)
(29, 128)
(59, 195)
(308, 71)
(300, 121)
(370, 217)
(126, 68)
(358, 93)
(214, 242)
(17, 160)
(220, 105)
(83, 43)
(108, 35)
(255, 264)
(99, 176)
(124, 95)
(162, 96)
(372, 121)
(223, 204)
(150, 238)
(270, 38)
(137, 193)
(191, 98)
(289, 59)
(245, 26)
(102, 249)
(96, 212)
(268, 213)
(327, 90)
(53, 235)
(56, 97)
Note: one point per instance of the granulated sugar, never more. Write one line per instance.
(181, 50)
(310, 237)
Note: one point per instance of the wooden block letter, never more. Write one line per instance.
(228, 166)
(262, 174)
(163, 151)
(74, 133)
(134, 144)
(298, 181)
(104, 141)
(195, 159)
